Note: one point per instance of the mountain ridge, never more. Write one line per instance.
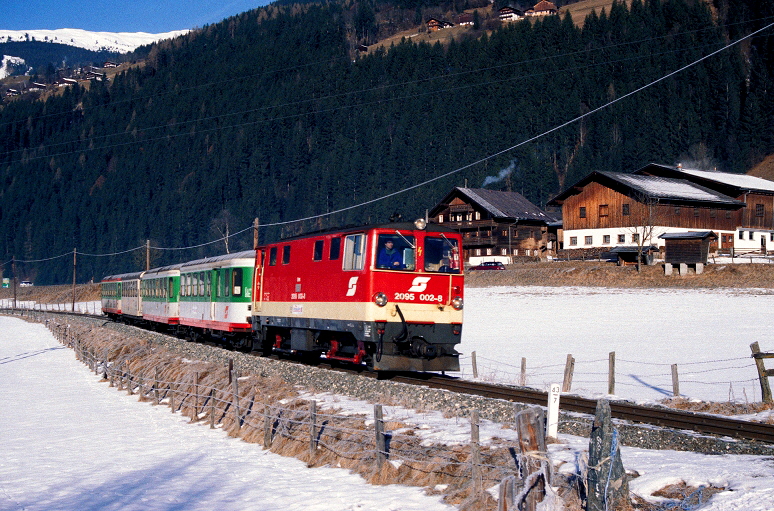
(115, 42)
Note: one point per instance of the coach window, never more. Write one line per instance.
(286, 254)
(237, 281)
(333, 255)
(227, 282)
(208, 284)
(171, 288)
(273, 256)
(354, 255)
(318, 250)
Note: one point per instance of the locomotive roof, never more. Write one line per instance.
(401, 226)
(246, 254)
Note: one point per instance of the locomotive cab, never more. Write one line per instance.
(390, 296)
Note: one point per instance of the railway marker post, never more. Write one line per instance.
(552, 426)
(763, 373)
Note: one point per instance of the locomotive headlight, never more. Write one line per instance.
(420, 224)
(380, 299)
(457, 303)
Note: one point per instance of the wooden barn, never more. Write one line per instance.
(496, 226)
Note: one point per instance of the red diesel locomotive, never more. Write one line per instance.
(389, 296)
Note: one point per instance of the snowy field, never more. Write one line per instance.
(72, 442)
(707, 333)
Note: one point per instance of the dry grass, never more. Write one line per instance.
(55, 294)
(715, 408)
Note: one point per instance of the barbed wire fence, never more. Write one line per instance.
(383, 447)
(604, 376)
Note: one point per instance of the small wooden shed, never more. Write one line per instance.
(687, 247)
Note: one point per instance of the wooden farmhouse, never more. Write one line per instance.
(605, 210)
(508, 14)
(543, 8)
(496, 226)
(753, 224)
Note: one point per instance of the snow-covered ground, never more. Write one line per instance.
(706, 332)
(119, 42)
(72, 442)
(6, 63)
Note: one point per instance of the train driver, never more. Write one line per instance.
(389, 257)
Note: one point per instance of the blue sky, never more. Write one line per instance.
(152, 16)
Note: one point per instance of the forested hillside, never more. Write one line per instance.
(273, 114)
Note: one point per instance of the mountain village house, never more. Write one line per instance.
(605, 210)
(496, 226)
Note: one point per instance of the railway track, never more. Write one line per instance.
(651, 415)
(656, 416)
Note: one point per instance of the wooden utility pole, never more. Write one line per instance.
(13, 269)
(75, 252)
(256, 224)
(147, 255)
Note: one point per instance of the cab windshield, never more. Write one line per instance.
(442, 255)
(395, 252)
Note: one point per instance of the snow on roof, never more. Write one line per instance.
(246, 254)
(506, 204)
(667, 188)
(739, 180)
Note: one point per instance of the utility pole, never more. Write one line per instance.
(13, 269)
(74, 266)
(147, 255)
(256, 224)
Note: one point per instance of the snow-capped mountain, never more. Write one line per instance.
(119, 42)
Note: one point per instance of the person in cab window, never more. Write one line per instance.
(389, 257)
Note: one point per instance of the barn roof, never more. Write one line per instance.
(738, 182)
(645, 187)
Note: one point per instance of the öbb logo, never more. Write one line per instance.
(419, 284)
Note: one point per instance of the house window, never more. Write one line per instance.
(603, 210)
(589, 240)
(318, 250)
(741, 235)
(504, 251)
(622, 238)
(489, 251)
(478, 215)
(636, 237)
(677, 210)
(606, 239)
(751, 235)
(625, 209)
(440, 219)
(728, 214)
(582, 212)
(713, 212)
(771, 237)
(478, 251)
(695, 211)
(573, 240)
(759, 210)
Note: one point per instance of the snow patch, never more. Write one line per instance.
(118, 42)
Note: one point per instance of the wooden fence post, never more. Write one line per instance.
(675, 382)
(195, 416)
(763, 374)
(156, 386)
(475, 454)
(532, 448)
(523, 375)
(475, 364)
(267, 433)
(607, 485)
(379, 433)
(611, 373)
(212, 408)
(312, 429)
(569, 368)
(507, 494)
(238, 415)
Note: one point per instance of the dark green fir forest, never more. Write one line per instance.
(275, 114)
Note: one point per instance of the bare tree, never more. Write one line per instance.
(221, 226)
(646, 225)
